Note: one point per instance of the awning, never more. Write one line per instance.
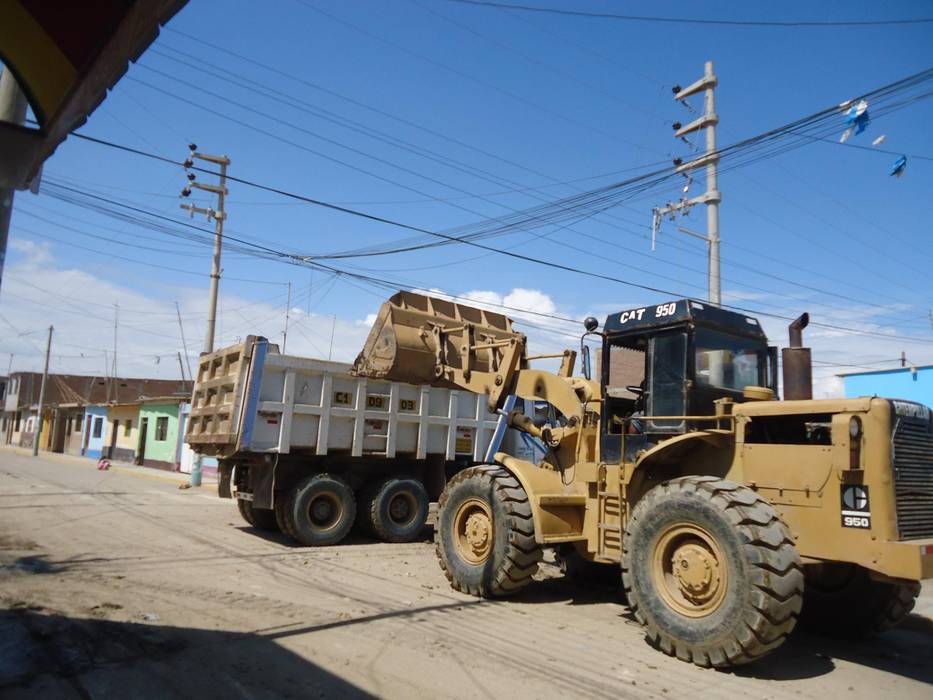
(66, 55)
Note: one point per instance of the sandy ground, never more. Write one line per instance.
(115, 585)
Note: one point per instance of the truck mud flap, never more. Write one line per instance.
(223, 481)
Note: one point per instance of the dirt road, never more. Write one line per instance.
(113, 585)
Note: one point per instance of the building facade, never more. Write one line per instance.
(76, 412)
(909, 383)
(159, 435)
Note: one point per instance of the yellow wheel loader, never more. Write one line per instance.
(727, 510)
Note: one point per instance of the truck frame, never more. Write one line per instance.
(721, 505)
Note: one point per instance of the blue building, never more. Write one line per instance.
(909, 383)
(95, 420)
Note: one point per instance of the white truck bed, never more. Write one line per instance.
(249, 398)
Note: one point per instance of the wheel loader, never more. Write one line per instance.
(729, 512)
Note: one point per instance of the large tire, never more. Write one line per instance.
(485, 538)
(398, 509)
(259, 518)
(246, 511)
(712, 572)
(842, 600)
(320, 510)
(282, 516)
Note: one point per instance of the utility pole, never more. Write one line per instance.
(37, 433)
(184, 344)
(333, 329)
(710, 159)
(13, 110)
(116, 384)
(288, 306)
(218, 216)
(181, 366)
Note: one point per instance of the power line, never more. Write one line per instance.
(690, 20)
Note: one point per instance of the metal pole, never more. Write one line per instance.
(333, 329)
(215, 265)
(288, 306)
(13, 110)
(45, 376)
(712, 190)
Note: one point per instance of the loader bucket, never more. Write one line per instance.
(403, 343)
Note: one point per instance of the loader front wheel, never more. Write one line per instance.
(842, 600)
(485, 539)
(320, 511)
(712, 572)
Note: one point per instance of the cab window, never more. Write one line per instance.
(728, 362)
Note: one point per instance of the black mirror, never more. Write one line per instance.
(586, 361)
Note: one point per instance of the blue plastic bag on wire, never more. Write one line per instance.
(900, 165)
(857, 120)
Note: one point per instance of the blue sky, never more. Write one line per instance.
(518, 101)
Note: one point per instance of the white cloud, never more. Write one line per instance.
(35, 253)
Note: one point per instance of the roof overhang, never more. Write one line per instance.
(66, 56)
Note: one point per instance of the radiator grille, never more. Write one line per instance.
(913, 479)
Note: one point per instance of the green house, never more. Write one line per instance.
(159, 442)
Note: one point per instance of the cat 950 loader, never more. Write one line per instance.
(722, 505)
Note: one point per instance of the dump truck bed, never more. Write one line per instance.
(250, 398)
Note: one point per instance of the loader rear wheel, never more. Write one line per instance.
(712, 572)
(842, 600)
(485, 539)
(259, 518)
(398, 510)
(320, 511)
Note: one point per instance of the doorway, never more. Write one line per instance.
(141, 449)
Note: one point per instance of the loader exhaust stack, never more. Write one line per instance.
(798, 368)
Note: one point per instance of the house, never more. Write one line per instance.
(160, 439)
(909, 383)
(73, 404)
(121, 439)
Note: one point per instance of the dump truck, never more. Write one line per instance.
(729, 513)
(310, 450)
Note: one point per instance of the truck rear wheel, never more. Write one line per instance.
(712, 572)
(320, 510)
(485, 539)
(259, 518)
(398, 509)
(842, 600)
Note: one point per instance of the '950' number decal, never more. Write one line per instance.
(665, 310)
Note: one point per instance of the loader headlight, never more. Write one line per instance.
(855, 427)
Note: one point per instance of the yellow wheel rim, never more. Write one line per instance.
(689, 570)
(473, 531)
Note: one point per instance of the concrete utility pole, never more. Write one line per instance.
(712, 197)
(184, 343)
(218, 215)
(13, 110)
(37, 433)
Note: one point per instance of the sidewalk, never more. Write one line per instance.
(208, 481)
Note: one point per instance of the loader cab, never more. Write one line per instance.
(661, 364)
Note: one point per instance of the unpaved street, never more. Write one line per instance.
(115, 585)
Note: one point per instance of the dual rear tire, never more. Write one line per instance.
(321, 509)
